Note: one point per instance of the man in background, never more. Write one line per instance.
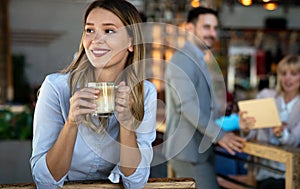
(191, 105)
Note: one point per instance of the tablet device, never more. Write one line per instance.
(263, 110)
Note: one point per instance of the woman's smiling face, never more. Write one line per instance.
(106, 41)
(290, 80)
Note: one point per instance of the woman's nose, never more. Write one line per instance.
(288, 76)
(99, 38)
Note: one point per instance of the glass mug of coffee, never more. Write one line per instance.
(105, 103)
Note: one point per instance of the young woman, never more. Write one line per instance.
(287, 97)
(70, 144)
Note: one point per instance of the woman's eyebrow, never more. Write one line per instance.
(104, 24)
(109, 24)
(90, 24)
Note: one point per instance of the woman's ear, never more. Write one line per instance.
(130, 46)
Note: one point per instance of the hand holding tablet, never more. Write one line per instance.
(263, 110)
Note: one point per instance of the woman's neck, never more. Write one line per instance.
(289, 96)
(105, 75)
(109, 73)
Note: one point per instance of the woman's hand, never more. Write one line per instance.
(81, 103)
(277, 131)
(130, 155)
(246, 123)
(124, 103)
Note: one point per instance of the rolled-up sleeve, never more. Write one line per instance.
(48, 122)
(43, 177)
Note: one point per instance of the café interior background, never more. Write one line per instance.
(39, 37)
(47, 32)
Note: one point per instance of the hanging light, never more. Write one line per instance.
(195, 3)
(246, 2)
(270, 6)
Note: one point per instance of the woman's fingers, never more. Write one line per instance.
(82, 103)
(246, 122)
(250, 122)
(123, 96)
(278, 131)
(124, 104)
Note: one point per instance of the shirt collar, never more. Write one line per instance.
(196, 50)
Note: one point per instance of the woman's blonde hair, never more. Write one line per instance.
(82, 72)
(288, 62)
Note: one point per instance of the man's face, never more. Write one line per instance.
(205, 29)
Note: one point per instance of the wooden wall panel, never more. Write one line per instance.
(6, 81)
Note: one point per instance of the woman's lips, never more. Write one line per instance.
(99, 52)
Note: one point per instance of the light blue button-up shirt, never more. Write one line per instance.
(95, 156)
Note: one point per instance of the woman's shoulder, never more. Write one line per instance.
(265, 93)
(149, 88)
(56, 81)
(57, 77)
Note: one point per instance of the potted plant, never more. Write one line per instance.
(15, 145)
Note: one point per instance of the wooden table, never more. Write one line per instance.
(290, 156)
(153, 183)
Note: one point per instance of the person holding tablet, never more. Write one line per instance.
(287, 100)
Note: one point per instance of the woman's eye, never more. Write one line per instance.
(89, 30)
(109, 31)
